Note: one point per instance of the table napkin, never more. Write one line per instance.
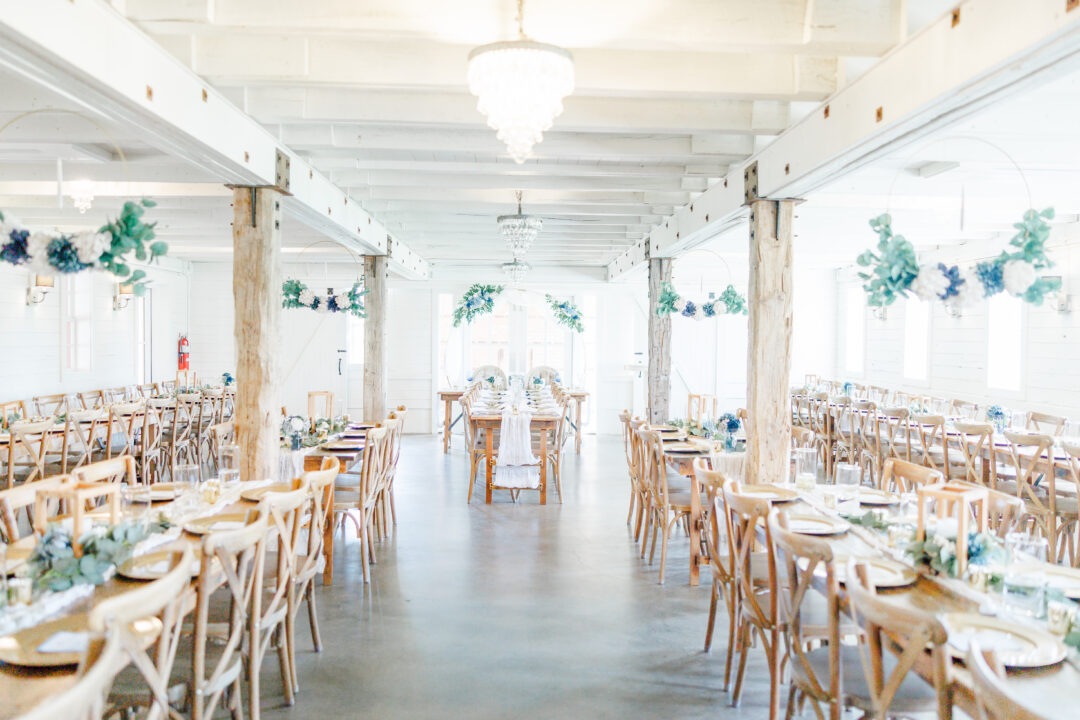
(65, 642)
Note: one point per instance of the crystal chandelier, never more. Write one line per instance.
(516, 270)
(520, 86)
(519, 230)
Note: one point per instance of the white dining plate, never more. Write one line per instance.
(884, 573)
(1016, 646)
(151, 566)
(872, 496)
(816, 525)
(1065, 579)
(216, 523)
(769, 492)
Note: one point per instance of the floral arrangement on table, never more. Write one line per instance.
(296, 294)
(996, 416)
(723, 428)
(48, 253)
(537, 381)
(938, 552)
(227, 379)
(566, 313)
(893, 270)
(848, 388)
(302, 432)
(670, 302)
(54, 566)
(478, 300)
(869, 520)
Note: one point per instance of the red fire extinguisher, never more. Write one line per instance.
(183, 361)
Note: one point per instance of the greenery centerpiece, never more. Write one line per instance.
(55, 566)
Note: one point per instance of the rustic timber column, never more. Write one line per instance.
(768, 355)
(257, 299)
(659, 344)
(375, 338)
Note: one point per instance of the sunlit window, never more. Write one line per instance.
(855, 329)
(916, 338)
(490, 338)
(1004, 349)
(79, 322)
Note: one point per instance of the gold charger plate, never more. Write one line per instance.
(684, 447)
(664, 428)
(873, 496)
(884, 573)
(775, 493)
(216, 523)
(816, 525)
(1016, 646)
(17, 557)
(151, 566)
(21, 647)
(256, 494)
(343, 446)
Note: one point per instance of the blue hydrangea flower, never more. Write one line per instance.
(955, 281)
(709, 309)
(331, 304)
(990, 275)
(14, 251)
(64, 257)
(690, 309)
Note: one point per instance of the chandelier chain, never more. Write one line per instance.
(521, 19)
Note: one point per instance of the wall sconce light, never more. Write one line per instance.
(122, 296)
(954, 312)
(39, 286)
(1060, 300)
(880, 312)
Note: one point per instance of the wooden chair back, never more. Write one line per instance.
(11, 411)
(915, 630)
(186, 379)
(315, 398)
(546, 373)
(30, 444)
(320, 486)
(165, 599)
(125, 422)
(975, 440)
(802, 437)
(907, 477)
(82, 431)
(745, 514)
(1031, 456)
(717, 523)
(118, 469)
(965, 409)
(92, 399)
(22, 499)
(893, 433)
(931, 448)
(86, 698)
(992, 698)
(1045, 423)
(655, 468)
(483, 372)
(51, 405)
(232, 561)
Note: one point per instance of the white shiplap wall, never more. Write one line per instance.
(30, 336)
(1050, 366)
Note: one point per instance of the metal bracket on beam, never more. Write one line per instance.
(750, 183)
(282, 172)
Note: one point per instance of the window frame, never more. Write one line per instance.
(1021, 343)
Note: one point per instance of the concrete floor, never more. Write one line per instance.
(512, 610)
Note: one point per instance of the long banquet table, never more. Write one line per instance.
(488, 423)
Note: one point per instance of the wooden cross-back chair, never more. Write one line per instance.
(975, 441)
(179, 434)
(624, 421)
(50, 405)
(757, 607)
(315, 398)
(361, 498)
(1055, 515)
(33, 446)
(221, 434)
(320, 485)
(721, 561)
(399, 413)
(546, 373)
(82, 436)
(231, 561)
(165, 600)
(10, 412)
(125, 425)
(666, 508)
(118, 469)
(86, 698)
(474, 444)
(907, 477)
(92, 399)
(993, 701)
(1045, 423)
(891, 684)
(893, 432)
(638, 479)
(931, 448)
(22, 500)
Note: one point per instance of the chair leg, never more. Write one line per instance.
(362, 531)
(744, 648)
(313, 617)
(712, 614)
(640, 513)
(666, 529)
(730, 638)
(284, 664)
(775, 671)
(630, 513)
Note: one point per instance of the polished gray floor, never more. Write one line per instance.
(512, 610)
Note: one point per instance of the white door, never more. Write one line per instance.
(315, 358)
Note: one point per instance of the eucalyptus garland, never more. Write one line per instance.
(670, 302)
(48, 253)
(894, 270)
(566, 313)
(54, 566)
(296, 294)
(478, 300)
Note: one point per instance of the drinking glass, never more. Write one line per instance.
(135, 503)
(229, 457)
(187, 483)
(1024, 589)
(847, 480)
(805, 468)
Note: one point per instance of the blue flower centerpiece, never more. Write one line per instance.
(998, 417)
(227, 379)
(727, 425)
(296, 294)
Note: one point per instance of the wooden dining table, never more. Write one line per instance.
(488, 423)
(1045, 689)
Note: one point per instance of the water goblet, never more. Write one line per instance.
(847, 480)
(187, 482)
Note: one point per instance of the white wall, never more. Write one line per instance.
(958, 346)
(30, 336)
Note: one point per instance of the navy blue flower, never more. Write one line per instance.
(729, 423)
(955, 281)
(690, 309)
(14, 251)
(64, 257)
(990, 275)
(709, 309)
(331, 304)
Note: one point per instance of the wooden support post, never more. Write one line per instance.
(257, 300)
(768, 355)
(375, 338)
(659, 344)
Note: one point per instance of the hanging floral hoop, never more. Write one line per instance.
(566, 313)
(894, 270)
(670, 302)
(108, 248)
(296, 294)
(478, 300)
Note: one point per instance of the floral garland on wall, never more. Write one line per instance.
(296, 294)
(48, 253)
(479, 299)
(566, 313)
(670, 302)
(894, 270)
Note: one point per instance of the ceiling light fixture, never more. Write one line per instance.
(81, 193)
(516, 271)
(519, 231)
(520, 86)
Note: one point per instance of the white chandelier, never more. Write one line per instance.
(516, 270)
(519, 231)
(520, 86)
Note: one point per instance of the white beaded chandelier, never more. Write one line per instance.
(516, 270)
(520, 86)
(519, 231)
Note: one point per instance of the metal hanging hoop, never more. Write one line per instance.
(355, 256)
(718, 256)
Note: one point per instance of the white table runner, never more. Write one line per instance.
(517, 467)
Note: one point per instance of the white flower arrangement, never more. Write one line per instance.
(307, 297)
(296, 294)
(930, 284)
(1018, 276)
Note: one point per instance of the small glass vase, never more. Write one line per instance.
(728, 439)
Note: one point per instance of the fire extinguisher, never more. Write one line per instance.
(183, 361)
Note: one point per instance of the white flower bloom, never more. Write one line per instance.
(89, 246)
(679, 305)
(307, 297)
(1018, 276)
(323, 307)
(969, 292)
(930, 283)
(37, 246)
(698, 314)
(343, 301)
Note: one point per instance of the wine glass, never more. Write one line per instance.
(135, 503)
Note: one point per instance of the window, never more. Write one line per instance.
(490, 339)
(916, 338)
(545, 341)
(78, 322)
(143, 335)
(855, 330)
(1004, 348)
